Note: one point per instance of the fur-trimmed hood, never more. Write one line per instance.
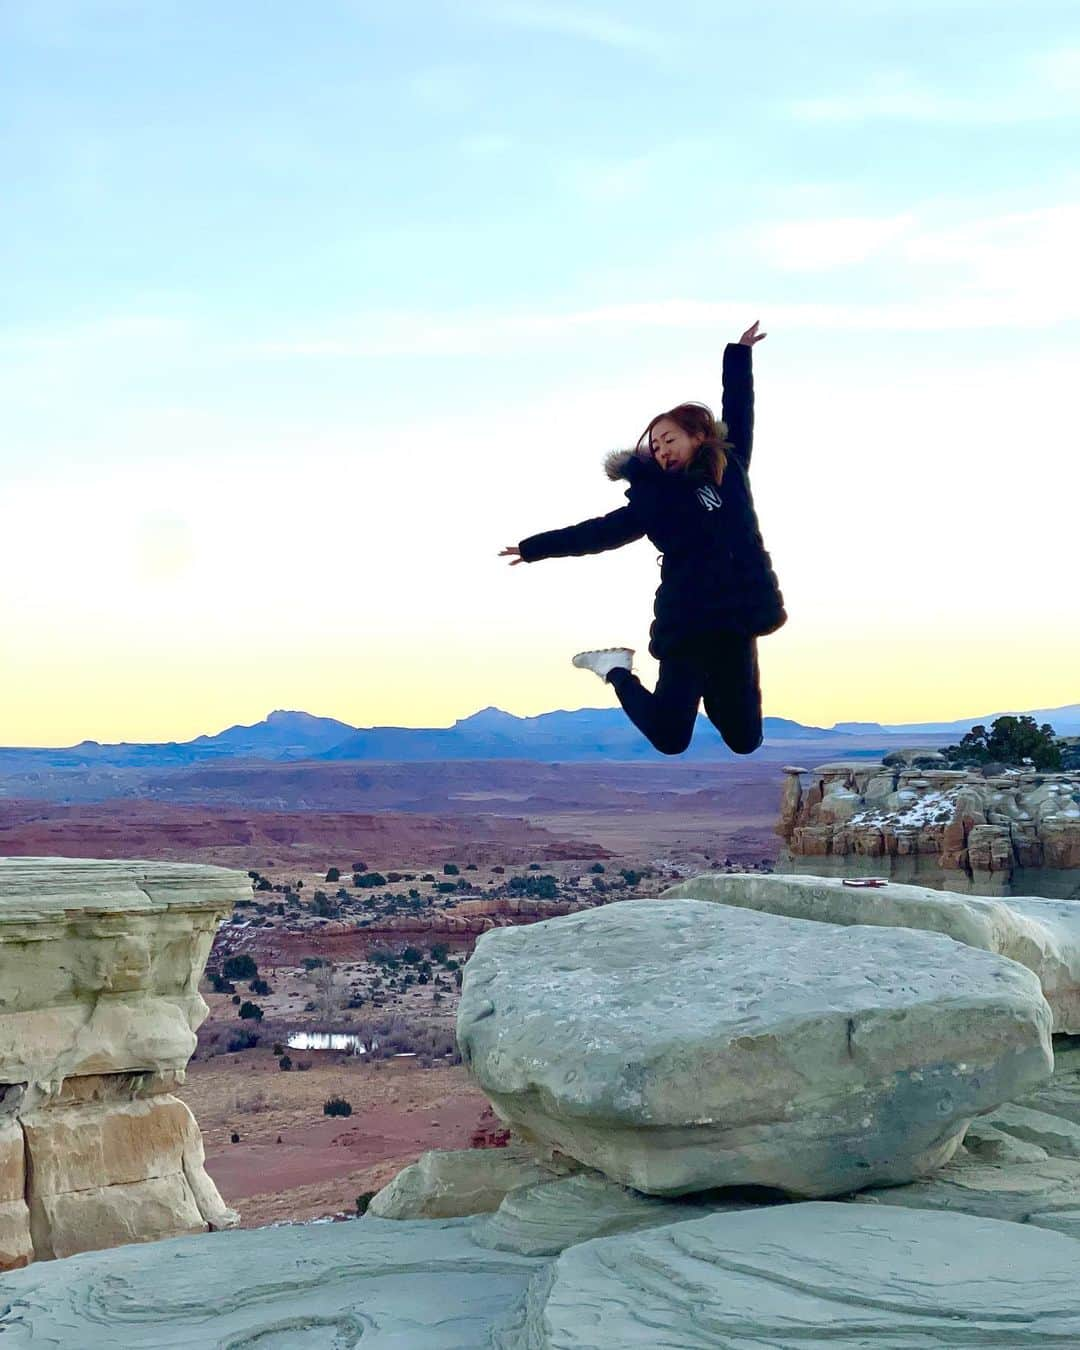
(621, 463)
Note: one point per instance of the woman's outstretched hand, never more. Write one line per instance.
(512, 553)
(752, 335)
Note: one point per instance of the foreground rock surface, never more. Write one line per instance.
(375, 1283)
(99, 969)
(1043, 935)
(678, 1045)
(808, 1274)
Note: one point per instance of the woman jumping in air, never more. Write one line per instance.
(689, 492)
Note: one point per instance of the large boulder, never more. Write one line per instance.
(679, 1045)
(1043, 935)
(1020, 1162)
(807, 1275)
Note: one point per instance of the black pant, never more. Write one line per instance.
(721, 668)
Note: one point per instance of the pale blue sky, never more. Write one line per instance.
(307, 309)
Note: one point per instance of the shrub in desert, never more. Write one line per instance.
(240, 967)
(333, 874)
(247, 1039)
(251, 1011)
(329, 992)
(597, 867)
(284, 1063)
(359, 867)
(337, 1106)
(259, 986)
(324, 907)
(366, 881)
(363, 1200)
(389, 1034)
(450, 869)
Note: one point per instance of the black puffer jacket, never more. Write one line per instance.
(716, 574)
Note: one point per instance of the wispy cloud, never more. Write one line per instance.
(1046, 86)
(576, 21)
(824, 243)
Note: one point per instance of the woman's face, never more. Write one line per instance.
(671, 447)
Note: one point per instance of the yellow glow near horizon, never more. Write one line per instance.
(160, 695)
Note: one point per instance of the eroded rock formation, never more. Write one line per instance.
(686, 1040)
(99, 1003)
(677, 1045)
(1015, 832)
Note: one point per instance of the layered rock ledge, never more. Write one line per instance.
(99, 1003)
(1043, 935)
(1012, 833)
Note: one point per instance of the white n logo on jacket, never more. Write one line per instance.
(708, 496)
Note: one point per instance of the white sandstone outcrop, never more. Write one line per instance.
(1043, 935)
(99, 971)
(679, 1045)
(910, 821)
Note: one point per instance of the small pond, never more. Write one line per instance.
(326, 1040)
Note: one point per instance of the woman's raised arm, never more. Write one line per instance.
(737, 410)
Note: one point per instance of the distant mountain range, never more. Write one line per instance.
(586, 734)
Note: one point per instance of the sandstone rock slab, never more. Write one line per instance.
(1043, 935)
(373, 1283)
(679, 1045)
(99, 967)
(545, 1219)
(809, 1274)
(102, 962)
(449, 1183)
(110, 1216)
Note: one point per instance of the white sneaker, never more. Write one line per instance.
(604, 660)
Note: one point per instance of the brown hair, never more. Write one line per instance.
(710, 458)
